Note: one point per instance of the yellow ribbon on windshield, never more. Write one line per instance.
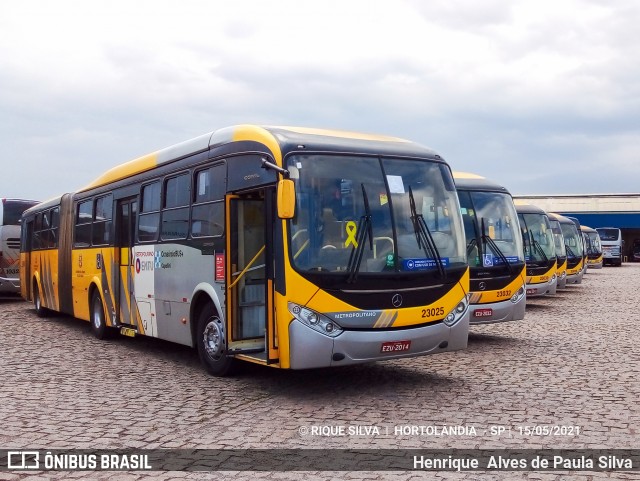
(351, 229)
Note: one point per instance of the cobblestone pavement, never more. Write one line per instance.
(573, 361)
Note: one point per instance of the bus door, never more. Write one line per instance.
(126, 213)
(249, 279)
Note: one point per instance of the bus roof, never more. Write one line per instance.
(586, 228)
(469, 181)
(528, 209)
(560, 218)
(278, 140)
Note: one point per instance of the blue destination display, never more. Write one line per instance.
(423, 264)
(489, 260)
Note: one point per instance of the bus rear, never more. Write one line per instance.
(494, 249)
(10, 212)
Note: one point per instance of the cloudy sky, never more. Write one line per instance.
(543, 97)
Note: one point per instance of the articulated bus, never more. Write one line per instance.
(494, 249)
(10, 212)
(289, 247)
(573, 245)
(539, 250)
(594, 249)
(561, 251)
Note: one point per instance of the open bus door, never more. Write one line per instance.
(249, 276)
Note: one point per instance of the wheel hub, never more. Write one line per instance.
(213, 338)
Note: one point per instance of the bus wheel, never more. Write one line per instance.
(98, 323)
(37, 301)
(212, 343)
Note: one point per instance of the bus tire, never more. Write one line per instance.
(41, 311)
(98, 323)
(211, 340)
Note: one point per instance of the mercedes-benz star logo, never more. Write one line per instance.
(396, 300)
(482, 286)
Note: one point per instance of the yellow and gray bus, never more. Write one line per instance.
(595, 255)
(561, 250)
(494, 249)
(10, 212)
(573, 243)
(539, 250)
(289, 247)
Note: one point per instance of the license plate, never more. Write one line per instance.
(395, 346)
(126, 331)
(531, 291)
(483, 313)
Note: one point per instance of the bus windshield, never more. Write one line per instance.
(370, 215)
(561, 250)
(539, 245)
(572, 240)
(12, 210)
(593, 243)
(609, 234)
(491, 228)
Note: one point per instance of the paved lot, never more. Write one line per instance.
(574, 361)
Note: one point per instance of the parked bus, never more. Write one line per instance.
(494, 249)
(574, 248)
(539, 250)
(583, 243)
(561, 250)
(289, 247)
(612, 245)
(10, 212)
(594, 249)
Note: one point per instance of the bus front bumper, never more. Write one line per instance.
(499, 311)
(543, 288)
(311, 349)
(9, 285)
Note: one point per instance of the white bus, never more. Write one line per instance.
(612, 244)
(10, 212)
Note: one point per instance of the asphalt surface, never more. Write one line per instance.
(567, 377)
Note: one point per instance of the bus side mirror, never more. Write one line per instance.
(286, 199)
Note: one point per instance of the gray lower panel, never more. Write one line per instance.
(501, 311)
(311, 349)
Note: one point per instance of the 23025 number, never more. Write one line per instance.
(433, 312)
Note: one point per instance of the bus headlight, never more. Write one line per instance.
(458, 312)
(563, 275)
(518, 295)
(553, 278)
(315, 320)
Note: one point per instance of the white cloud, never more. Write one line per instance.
(86, 85)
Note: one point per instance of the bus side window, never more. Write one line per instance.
(207, 213)
(149, 218)
(82, 231)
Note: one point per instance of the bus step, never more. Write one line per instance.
(247, 350)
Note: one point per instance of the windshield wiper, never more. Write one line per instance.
(472, 243)
(538, 248)
(423, 235)
(364, 230)
(570, 251)
(488, 240)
